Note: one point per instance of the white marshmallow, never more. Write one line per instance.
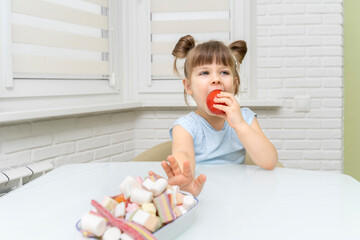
(182, 209)
(112, 233)
(188, 202)
(93, 224)
(147, 184)
(141, 196)
(109, 203)
(140, 217)
(175, 188)
(159, 186)
(119, 210)
(126, 236)
(126, 187)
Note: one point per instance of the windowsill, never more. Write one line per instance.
(130, 105)
(63, 112)
(251, 103)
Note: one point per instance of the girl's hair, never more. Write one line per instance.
(205, 53)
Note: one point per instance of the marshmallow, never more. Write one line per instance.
(126, 187)
(172, 198)
(177, 212)
(152, 223)
(188, 202)
(126, 236)
(131, 207)
(147, 184)
(159, 186)
(176, 188)
(153, 178)
(182, 209)
(139, 180)
(149, 207)
(119, 210)
(120, 198)
(112, 233)
(164, 209)
(140, 217)
(146, 220)
(141, 196)
(129, 215)
(179, 198)
(109, 204)
(93, 224)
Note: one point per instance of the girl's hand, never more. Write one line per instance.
(232, 109)
(184, 179)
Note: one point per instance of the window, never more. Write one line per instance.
(163, 22)
(58, 54)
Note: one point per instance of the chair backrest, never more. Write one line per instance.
(161, 151)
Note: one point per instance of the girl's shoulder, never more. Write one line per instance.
(189, 122)
(192, 117)
(248, 115)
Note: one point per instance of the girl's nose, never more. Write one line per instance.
(216, 81)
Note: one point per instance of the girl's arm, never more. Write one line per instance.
(260, 149)
(183, 147)
(258, 146)
(180, 166)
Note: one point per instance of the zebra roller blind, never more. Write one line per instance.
(203, 19)
(60, 39)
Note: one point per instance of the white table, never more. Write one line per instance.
(238, 202)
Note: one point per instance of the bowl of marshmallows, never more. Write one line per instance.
(147, 208)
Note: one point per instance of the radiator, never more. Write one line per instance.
(11, 178)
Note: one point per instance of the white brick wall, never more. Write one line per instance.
(103, 137)
(299, 53)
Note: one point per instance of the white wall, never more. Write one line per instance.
(299, 53)
(104, 137)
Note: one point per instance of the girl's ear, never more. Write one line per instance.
(187, 86)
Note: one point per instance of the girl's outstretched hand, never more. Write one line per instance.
(184, 179)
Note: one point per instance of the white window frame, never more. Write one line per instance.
(30, 99)
(242, 27)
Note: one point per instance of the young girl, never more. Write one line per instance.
(205, 137)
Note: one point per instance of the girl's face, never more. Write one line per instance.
(207, 78)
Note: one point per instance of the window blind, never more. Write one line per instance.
(171, 19)
(204, 20)
(60, 39)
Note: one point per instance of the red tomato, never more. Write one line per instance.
(210, 102)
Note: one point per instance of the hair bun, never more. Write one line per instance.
(239, 50)
(183, 46)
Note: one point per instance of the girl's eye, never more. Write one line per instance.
(204, 73)
(225, 73)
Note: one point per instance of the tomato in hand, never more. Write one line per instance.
(210, 102)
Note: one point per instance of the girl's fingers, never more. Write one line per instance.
(167, 169)
(220, 107)
(225, 94)
(151, 173)
(199, 183)
(174, 165)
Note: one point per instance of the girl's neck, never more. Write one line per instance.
(215, 121)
